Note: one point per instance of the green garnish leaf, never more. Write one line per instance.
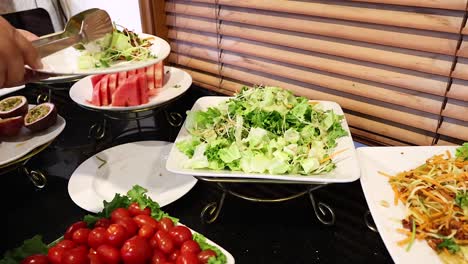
(462, 152)
(450, 245)
(30, 247)
(220, 257)
(413, 235)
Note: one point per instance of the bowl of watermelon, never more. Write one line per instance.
(139, 89)
(131, 229)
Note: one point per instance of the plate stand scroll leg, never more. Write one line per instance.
(173, 118)
(369, 221)
(37, 178)
(211, 211)
(322, 210)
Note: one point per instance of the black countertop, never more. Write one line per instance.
(285, 232)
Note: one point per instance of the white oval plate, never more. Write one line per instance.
(141, 163)
(65, 62)
(176, 82)
(12, 148)
(5, 91)
(376, 188)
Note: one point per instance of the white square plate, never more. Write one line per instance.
(347, 167)
(392, 160)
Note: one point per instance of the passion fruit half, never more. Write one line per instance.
(11, 126)
(41, 117)
(13, 106)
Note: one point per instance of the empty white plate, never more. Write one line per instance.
(5, 91)
(118, 169)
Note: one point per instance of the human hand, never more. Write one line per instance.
(16, 51)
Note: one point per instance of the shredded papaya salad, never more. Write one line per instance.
(436, 198)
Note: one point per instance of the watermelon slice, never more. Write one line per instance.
(141, 70)
(133, 93)
(121, 77)
(112, 86)
(119, 98)
(96, 78)
(158, 75)
(131, 73)
(142, 88)
(96, 98)
(104, 91)
(150, 77)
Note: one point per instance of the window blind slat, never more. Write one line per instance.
(417, 101)
(443, 4)
(458, 90)
(429, 19)
(370, 138)
(461, 69)
(456, 109)
(419, 120)
(402, 58)
(392, 36)
(371, 72)
(454, 128)
(400, 133)
(463, 50)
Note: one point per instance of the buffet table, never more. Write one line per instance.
(253, 232)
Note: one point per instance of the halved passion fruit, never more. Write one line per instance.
(41, 117)
(13, 106)
(11, 126)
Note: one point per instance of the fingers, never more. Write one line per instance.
(29, 53)
(28, 35)
(34, 76)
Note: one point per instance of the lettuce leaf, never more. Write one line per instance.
(220, 257)
(462, 152)
(30, 247)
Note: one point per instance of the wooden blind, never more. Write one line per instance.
(399, 68)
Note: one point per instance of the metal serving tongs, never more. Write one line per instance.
(83, 27)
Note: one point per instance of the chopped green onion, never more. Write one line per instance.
(413, 235)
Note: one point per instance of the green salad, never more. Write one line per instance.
(263, 130)
(121, 45)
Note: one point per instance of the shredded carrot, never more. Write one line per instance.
(448, 154)
(404, 241)
(331, 156)
(384, 174)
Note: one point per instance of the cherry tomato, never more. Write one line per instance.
(146, 231)
(190, 246)
(66, 244)
(129, 225)
(78, 255)
(158, 257)
(205, 255)
(36, 259)
(102, 222)
(119, 213)
(55, 254)
(166, 224)
(154, 242)
(173, 256)
(97, 237)
(80, 236)
(180, 234)
(95, 259)
(142, 220)
(136, 250)
(135, 210)
(72, 228)
(108, 254)
(187, 258)
(116, 235)
(164, 241)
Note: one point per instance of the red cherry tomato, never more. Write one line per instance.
(158, 257)
(173, 256)
(97, 237)
(80, 236)
(55, 254)
(108, 254)
(136, 250)
(66, 244)
(166, 224)
(205, 255)
(36, 259)
(134, 209)
(180, 234)
(187, 258)
(190, 246)
(142, 220)
(129, 224)
(102, 222)
(154, 242)
(146, 231)
(116, 235)
(95, 259)
(119, 213)
(72, 228)
(164, 241)
(78, 255)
